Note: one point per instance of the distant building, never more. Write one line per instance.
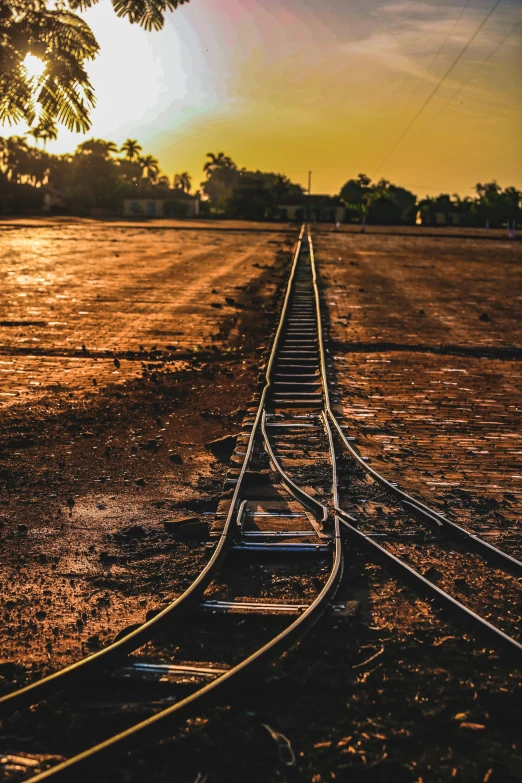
(448, 219)
(177, 205)
(321, 208)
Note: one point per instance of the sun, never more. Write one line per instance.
(33, 66)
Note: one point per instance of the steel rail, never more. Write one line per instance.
(506, 643)
(318, 509)
(487, 629)
(424, 513)
(162, 722)
(62, 678)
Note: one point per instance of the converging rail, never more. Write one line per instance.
(287, 502)
(281, 505)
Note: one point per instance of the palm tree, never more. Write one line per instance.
(45, 130)
(183, 182)
(64, 42)
(163, 181)
(219, 161)
(97, 147)
(151, 164)
(14, 152)
(131, 148)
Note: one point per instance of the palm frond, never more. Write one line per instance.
(149, 14)
(63, 41)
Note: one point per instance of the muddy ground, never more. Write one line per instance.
(91, 471)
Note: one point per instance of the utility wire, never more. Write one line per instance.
(436, 56)
(437, 86)
(466, 82)
(474, 73)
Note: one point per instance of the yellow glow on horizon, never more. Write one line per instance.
(292, 85)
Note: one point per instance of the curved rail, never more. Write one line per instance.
(487, 629)
(163, 721)
(491, 632)
(147, 631)
(320, 512)
(423, 512)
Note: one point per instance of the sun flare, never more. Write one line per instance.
(33, 65)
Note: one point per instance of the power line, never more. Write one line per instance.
(474, 73)
(437, 86)
(443, 43)
(466, 82)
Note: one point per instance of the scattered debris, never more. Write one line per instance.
(368, 660)
(284, 748)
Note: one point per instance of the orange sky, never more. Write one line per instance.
(292, 85)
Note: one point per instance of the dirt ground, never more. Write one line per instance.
(426, 341)
(164, 325)
(89, 472)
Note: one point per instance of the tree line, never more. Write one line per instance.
(99, 175)
(387, 204)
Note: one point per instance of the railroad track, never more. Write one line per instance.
(288, 510)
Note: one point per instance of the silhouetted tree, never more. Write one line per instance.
(45, 130)
(353, 193)
(222, 175)
(150, 164)
(131, 148)
(183, 182)
(495, 205)
(217, 163)
(98, 147)
(381, 201)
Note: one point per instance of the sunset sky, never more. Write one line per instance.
(292, 85)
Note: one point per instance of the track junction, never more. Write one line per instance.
(294, 473)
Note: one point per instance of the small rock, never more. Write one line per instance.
(432, 574)
(135, 531)
(93, 642)
(222, 448)
(484, 317)
(177, 459)
(187, 527)
(150, 445)
(117, 363)
(461, 583)
(22, 529)
(348, 609)
(41, 615)
(7, 668)
(140, 482)
(126, 631)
